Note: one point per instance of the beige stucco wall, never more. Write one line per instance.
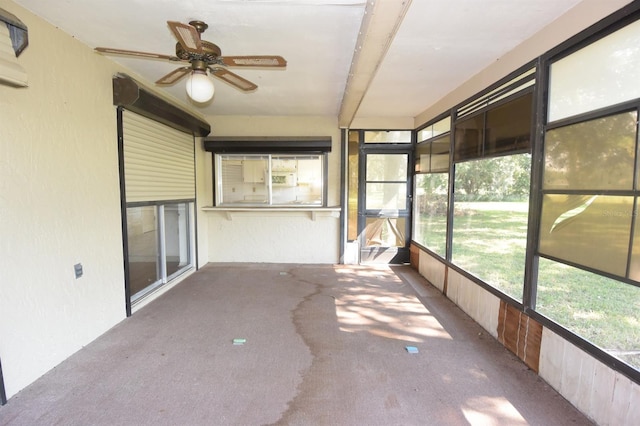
(59, 204)
(292, 237)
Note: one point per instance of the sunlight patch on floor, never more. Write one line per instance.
(487, 410)
(385, 313)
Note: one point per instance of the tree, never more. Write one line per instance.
(499, 179)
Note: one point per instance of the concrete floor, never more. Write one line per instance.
(325, 345)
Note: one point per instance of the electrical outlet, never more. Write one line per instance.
(78, 269)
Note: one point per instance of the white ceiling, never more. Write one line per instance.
(438, 45)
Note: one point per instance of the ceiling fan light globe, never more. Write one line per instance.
(199, 86)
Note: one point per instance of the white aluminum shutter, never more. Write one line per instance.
(158, 161)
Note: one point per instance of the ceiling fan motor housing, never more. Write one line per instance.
(210, 52)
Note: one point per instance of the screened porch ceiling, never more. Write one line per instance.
(346, 58)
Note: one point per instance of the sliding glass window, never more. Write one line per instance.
(270, 179)
(158, 245)
(143, 248)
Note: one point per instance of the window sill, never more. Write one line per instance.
(313, 212)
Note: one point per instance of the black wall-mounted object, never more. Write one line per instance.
(3, 395)
(18, 31)
(264, 144)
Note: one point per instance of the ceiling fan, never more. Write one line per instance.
(203, 56)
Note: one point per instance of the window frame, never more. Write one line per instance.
(271, 145)
(482, 148)
(606, 26)
(624, 16)
(612, 110)
(446, 118)
(527, 78)
(612, 23)
(218, 180)
(163, 277)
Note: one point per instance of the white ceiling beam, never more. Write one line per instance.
(381, 21)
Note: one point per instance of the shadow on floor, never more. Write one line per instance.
(324, 345)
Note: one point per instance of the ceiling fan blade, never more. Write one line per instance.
(148, 55)
(254, 61)
(233, 79)
(187, 36)
(173, 76)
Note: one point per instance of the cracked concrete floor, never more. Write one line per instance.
(325, 345)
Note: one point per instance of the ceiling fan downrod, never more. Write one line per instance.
(199, 26)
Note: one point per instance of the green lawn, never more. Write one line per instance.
(602, 310)
(489, 242)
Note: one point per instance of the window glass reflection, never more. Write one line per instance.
(142, 247)
(352, 207)
(387, 167)
(385, 232)
(440, 154)
(430, 211)
(442, 126)
(387, 136)
(176, 235)
(590, 230)
(469, 137)
(598, 154)
(509, 127)
(423, 157)
(386, 196)
(279, 180)
(432, 156)
(435, 129)
(634, 267)
(603, 73)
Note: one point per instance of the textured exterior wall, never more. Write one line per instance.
(273, 237)
(59, 204)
